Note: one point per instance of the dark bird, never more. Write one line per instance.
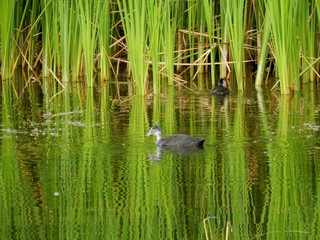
(178, 140)
(221, 89)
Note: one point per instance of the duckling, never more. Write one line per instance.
(178, 140)
(221, 89)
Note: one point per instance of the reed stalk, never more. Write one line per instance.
(202, 53)
(286, 47)
(51, 60)
(30, 36)
(154, 14)
(76, 48)
(65, 36)
(7, 26)
(224, 37)
(133, 18)
(46, 23)
(54, 30)
(307, 38)
(191, 26)
(180, 21)
(169, 32)
(104, 31)
(208, 9)
(236, 15)
(264, 50)
(89, 14)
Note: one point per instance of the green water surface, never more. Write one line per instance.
(82, 168)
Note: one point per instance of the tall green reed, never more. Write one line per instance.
(169, 32)
(224, 36)
(191, 27)
(104, 31)
(286, 48)
(155, 22)
(209, 19)
(89, 14)
(133, 18)
(50, 34)
(179, 8)
(201, 43)
(65, 16)
(307, 38)
(7, 27)
(28, 51)
(263, 51)
(162, 39)
(236, 15)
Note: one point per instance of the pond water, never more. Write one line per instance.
(82, 168)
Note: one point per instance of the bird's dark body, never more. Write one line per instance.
(178, 140)
(221, 89)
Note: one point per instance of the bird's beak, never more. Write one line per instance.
(149, 133)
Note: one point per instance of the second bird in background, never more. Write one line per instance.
(221, 89)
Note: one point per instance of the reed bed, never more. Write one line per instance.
(159, 41)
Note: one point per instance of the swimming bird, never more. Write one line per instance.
(178, 140)
(221, 89)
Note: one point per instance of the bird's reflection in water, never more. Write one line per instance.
(157, 156)
(177, 150)
(220, 100)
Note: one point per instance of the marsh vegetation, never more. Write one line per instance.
(75, 162)
(157, 43)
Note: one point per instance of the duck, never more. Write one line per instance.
(178, 140)
(221, 89)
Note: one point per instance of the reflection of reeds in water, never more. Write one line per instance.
(20, 194)
(86, 184)
(285, 203)
(208, 230)
(288, 173)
